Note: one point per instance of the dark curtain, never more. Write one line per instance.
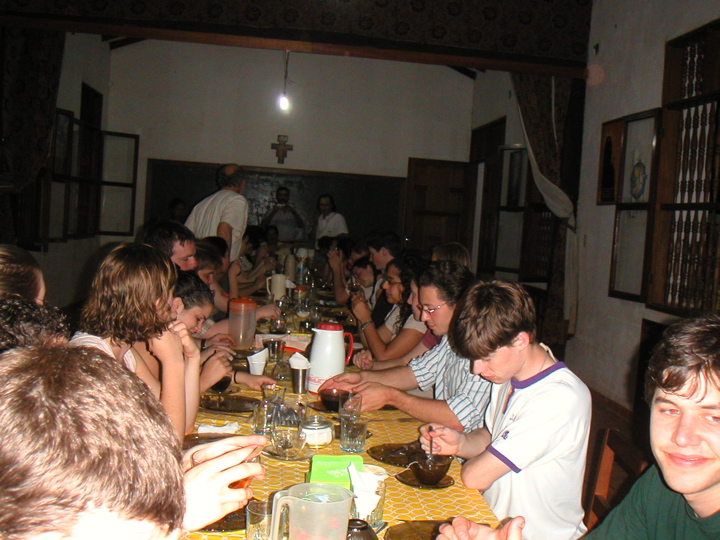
(31, 65)
(535, 98)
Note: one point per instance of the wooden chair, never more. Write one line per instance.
(614, 450)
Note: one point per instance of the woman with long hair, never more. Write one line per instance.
(401, 331)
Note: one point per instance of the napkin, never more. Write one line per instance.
(364, 485)
(298, 361)
(258, 357)
(232, 427)
(289, 284)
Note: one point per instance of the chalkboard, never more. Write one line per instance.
(367, 202)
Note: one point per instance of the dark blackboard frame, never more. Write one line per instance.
(367, 201)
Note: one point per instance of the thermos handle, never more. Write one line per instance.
(351, 344)
(267, 285)
(275, 522)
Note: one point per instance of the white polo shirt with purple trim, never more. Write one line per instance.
(539, 428)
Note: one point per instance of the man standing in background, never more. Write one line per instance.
(288, 222)
(225, 212)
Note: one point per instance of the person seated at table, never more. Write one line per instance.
(20, 274)
(678, 497)
(460, 397)
(341, 261)
(248, 275)
(208, 256)
(451, 251)
(24, 322)
(192, 305)
(129, 303)
(174, 240)
(87, 452)
(364, 358)
(400, 332)
(529, 457)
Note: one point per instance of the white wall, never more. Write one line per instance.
(219, 104)
(631, 35)
(85, 60)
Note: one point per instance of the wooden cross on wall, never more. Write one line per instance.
(281, 148)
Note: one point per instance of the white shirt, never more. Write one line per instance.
(539, 428)
(284, 220)
(222, 206)
(332, 225)
(410, 322)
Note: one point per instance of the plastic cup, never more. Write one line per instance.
(256, 367)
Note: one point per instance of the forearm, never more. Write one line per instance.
(401, 378)
(426, 410)
(172, 396)
(192, 392)
(340, 287)
(404, 360)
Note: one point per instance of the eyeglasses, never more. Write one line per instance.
(432, 310)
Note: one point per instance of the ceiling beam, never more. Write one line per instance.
(373, 52)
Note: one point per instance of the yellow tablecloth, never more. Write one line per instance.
(402, 502)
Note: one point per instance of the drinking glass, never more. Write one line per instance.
(353, 431)
(258, 518)
(287, 436)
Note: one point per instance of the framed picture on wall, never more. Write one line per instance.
(611, 151)
(640, 141)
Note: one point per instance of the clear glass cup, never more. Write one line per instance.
(258, 517)
(287, 436)
(353, 431)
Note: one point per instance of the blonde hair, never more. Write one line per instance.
(130, 295)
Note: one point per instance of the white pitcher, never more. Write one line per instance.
(275, 285)
(327, 354)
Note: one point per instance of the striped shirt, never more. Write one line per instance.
(466, 394)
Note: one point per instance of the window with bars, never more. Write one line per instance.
(685, 275)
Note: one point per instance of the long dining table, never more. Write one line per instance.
(403, 503)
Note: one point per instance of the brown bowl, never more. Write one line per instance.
(333, 397)
(429, 470)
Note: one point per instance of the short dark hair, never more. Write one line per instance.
(24, 322)
(384, 239)
(207, 255)
(325, 242)
(230, 175)
(688, 352)
(450, 278)
(409, 268)
(219, 243)
(193, 291)
(364, 262)
(255, 235)
(77, 432)
(281, 189)
(163, 235)
(19, 272)
(490, 315)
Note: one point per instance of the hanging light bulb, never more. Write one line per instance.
(284, 102)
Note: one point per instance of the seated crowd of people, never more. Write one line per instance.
(92, 417)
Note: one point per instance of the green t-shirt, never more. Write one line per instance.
(652, 511)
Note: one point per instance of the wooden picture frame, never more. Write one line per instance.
(627, 272)
(612, 138)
